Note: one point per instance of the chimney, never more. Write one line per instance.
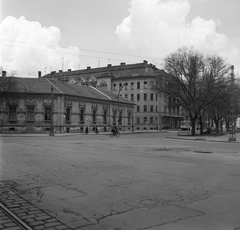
(144, 61)
(4, 73)
(109, 65)
(69, 70)
(89, 67)
(52, 74)
(122, 63)
(39, 74)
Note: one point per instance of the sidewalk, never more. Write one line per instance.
(213, 138)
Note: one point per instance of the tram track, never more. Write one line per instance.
(13, 218)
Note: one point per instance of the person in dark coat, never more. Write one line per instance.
(86, 130)
(96, 130)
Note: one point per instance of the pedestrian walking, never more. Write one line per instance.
(86, 130)
(96, 130)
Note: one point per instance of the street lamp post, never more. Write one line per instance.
(232, 132)
(51, 114)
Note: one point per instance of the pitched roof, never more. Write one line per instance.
(119, 71)
(43, 86)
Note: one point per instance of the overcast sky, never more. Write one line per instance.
(51, 35)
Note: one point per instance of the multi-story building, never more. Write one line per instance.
(38, 104)
(133, 82)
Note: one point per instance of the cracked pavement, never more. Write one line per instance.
(139, 181)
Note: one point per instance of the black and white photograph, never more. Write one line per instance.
(119, 115)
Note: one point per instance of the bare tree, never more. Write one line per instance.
(194, 80)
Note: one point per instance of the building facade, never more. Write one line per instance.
(133, 82)
(34, 104)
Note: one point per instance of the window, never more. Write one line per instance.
(120, 118)
(105, 117)
(120, 85)
(114, 117)
(138, 120)
(138, 108)
(114, 87)
(145, 97)
(126, 86)
(151, 120)
(145, 120)
(129, 118)
(138, 97)
(103, 84)
(126, 96)
(47, 115)
(151, 108)
(151, 96)
(132, 85)
(145, 85)
(30, 113)
(138, 85)
(132, 97)
(94, 116)
(82, 116)
(68, 115)
(12, 116)
(145, 108)
(156, 108)
(156, 96)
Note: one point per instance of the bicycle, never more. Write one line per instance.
(117, 134)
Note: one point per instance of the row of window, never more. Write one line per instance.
(145, 108)
(131, 85)
(146, 120)
(30, 116)
(145, 97)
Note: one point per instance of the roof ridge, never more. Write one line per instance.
(54, 86)
(101, 92)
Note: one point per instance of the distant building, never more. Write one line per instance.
(26, 105)
(133, 82)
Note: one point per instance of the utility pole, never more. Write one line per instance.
(118, 100)
(133, 117)
(232, 131)
(51, 115)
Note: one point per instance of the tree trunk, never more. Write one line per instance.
(193, 123)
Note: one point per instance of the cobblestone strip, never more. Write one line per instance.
(31, 215)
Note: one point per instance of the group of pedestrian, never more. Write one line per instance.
(87, 130)
(114, 130)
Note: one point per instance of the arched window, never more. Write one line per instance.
(72, 81)
(103, 84)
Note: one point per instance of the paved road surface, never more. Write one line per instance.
(140, 181)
